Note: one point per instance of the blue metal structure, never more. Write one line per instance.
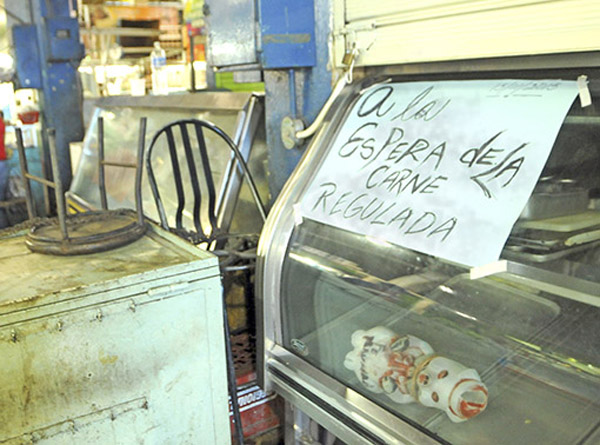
(29, 73)
(300, 93)
(288, 41)
(48, 53)
(287, 33)
(291, 46)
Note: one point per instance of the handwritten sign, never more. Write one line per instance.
(444, 168)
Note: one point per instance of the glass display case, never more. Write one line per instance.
(384, 343)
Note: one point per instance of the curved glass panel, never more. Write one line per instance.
(513, 357)
(535, 353)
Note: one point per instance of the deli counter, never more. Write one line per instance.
(430, 273)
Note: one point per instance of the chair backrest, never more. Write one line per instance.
(188, 136)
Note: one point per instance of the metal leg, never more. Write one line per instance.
(24, 174)
(101, 179)
(192, 70)
(289, 435)
(298, 427)
(231, 381)
(45, 188)
(61, 208)
(138, 172)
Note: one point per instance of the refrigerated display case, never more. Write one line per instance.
(384, 339)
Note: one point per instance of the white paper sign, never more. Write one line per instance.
(444, 168)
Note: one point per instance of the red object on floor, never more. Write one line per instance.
(255, 407)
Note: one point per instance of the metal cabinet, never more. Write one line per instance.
(118, 347)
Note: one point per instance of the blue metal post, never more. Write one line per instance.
(316, 87)
(59, 53)
(292, 82)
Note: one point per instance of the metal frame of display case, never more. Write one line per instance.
(349, 415)
(341, 410)
(566, 286)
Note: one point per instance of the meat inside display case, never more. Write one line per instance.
(388, 343)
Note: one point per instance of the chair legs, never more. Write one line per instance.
(231, 379)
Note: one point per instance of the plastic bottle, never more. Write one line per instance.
(158, 59)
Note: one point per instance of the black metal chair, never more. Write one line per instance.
(210, 232)
(207, 230)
